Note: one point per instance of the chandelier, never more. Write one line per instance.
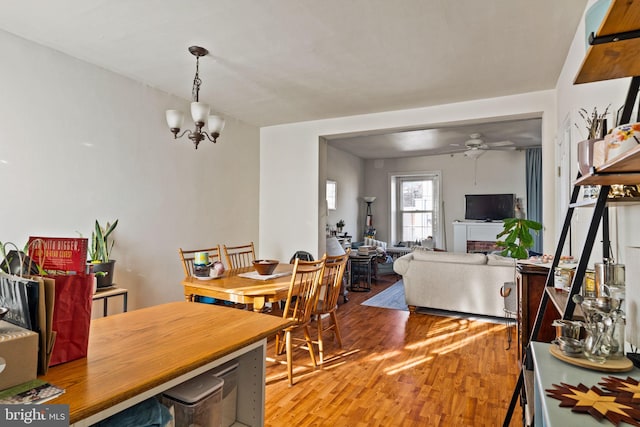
(199, 111)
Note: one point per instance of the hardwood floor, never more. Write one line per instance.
(397, 369)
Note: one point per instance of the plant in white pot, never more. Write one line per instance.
(99, 254)
(596, 126)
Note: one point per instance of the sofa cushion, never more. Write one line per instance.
(452, 257)
(373, 242)
(493, 259)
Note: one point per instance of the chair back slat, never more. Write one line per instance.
(187, 257)
(331, 284)
(303, 290)
(240, 256)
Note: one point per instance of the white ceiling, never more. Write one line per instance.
(283, 61)
(498, 135)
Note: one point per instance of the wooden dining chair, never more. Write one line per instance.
(329, 291)
(239, 256)
(187, 257)
(301, 301)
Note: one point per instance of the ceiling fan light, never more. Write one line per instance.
(199, 112)
(473, 154)
(175, 119)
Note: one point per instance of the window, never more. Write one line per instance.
(332, 195)
(416, 208)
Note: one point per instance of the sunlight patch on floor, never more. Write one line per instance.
(408, 364)
(432, 341)
(384, 356)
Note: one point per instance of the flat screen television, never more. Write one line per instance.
(489, 207)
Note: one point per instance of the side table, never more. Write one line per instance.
(360, 267)
(110, 292)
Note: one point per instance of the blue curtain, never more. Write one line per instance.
(534, 191)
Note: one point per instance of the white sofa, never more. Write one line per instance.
(452, 281)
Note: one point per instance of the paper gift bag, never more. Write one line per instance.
(71, 317)
(45, 320)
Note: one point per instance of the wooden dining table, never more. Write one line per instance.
(232, 286)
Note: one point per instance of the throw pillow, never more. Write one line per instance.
(373, 242)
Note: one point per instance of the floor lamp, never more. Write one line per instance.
(369, 231)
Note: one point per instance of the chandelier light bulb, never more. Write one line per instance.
(216, 124)
(175, 119)
(199, 112)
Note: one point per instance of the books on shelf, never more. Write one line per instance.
(366, 250)
(59, 255)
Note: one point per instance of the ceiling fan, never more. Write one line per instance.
(476, 146)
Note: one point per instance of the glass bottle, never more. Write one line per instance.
(619, 322)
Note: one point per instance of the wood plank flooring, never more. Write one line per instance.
(397, 369)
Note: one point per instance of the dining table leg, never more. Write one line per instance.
(258, 304)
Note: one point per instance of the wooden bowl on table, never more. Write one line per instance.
(265, 266)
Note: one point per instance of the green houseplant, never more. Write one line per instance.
(340, 225)
(518, 237)
(100, 253)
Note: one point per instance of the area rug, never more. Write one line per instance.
(393, 298)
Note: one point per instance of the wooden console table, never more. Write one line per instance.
(136, 355)
(531, 286)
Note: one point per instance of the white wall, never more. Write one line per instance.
(493, 172)
(290, 169)
(79, 143)
(348, 171)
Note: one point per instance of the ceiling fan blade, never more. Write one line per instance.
(500, 144)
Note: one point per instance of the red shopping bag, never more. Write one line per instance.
(71, 317)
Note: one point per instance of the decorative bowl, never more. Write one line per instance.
(265, 266)
(570, 346)
(622, 139)
(567, 328)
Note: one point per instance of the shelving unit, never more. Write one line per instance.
(613, 54)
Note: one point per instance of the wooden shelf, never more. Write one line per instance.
(559, 300)
(622, 201)
(624, 169)
(616, 59)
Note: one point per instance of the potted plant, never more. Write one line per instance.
(99, 254)
(596, 126)
(340, 225)
(518, 238)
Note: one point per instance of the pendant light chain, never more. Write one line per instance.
(195, 90)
